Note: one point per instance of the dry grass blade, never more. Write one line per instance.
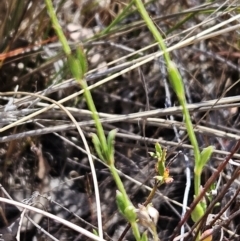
(202, 39)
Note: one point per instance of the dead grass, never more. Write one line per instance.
(128, 94)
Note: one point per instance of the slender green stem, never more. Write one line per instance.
(121, 188)
(95, 116)
(82, 82)
(118, 181)
(181, 95)
(135, 231)
(193, 139)
(151, 195)
(152, 28)
(75, 63)
(177, 84)
(148, 200)
(58, 28)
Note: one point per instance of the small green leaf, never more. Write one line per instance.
(152, 154)
(120, 202)
(161, 163)
(95, 232)
(205, 155)
(158, 149)
(176, 80)
(204, 158)
(75, 67)
(110, 143)
(159, 178)
(82, 60)
(130, 213)
(161, 168)
(197, 213)
(204, 205)
(164, 154)
(97, 146)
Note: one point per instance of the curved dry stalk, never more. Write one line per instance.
(95, 183)
(54, 217)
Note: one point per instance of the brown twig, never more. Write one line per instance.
(213, 203)
(206, 187)
(43, 166)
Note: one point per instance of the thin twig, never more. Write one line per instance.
(54, 217)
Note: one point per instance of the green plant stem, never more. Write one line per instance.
(148, 200)
(92, 108)
(95, 116)
(152, 28)
(135, 231)
(87, 93)
(58, 28)
(193, 139)
(181, 96)
(177, 84)
(151, 195)
(121, 188)
(118, 182)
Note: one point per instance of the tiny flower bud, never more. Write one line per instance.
(148, 216)
(153, 213)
